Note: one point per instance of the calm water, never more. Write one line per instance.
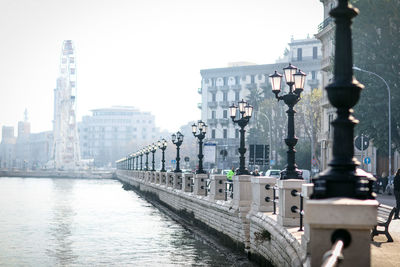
(68, 222)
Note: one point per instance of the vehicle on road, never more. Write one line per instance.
(273, 173)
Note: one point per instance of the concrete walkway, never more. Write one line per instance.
(383, 253)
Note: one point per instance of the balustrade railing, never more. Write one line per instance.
(275, 197)
(295, 209)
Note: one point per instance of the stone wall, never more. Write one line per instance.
(255, 233)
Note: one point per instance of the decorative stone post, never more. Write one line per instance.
(262, 190)
(285, 215)
(199, 186)
(187, 182)
(242, 194)
(177, 180)
(217, 184)
(163, 177)
(306, 192)
(170, 179)
(158, 177)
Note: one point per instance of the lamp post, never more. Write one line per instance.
(202, 127)
(295, 80)
(146, 152)
(177, 140)
(141, 159)
(270, 138)
(343, 178)
(162, 144)
(245, 113)
(390, 120)
(137, 160)
(153, 149)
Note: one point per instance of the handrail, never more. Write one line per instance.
(334, 256)
(300, 210)
(274, 196)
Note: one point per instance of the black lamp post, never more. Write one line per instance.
(153, 149)
(295, 79)
(131, 159)
(245, 113)
(137, 160)
(162, 144)
(146, 152)
(202, 127)
(177, 140)
(141, 159)
(343, 178)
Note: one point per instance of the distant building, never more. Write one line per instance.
(41, 148)
(22, 153)
(222, 86)
(7, 147)
(112, 133)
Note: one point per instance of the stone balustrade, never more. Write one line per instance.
(247, 219)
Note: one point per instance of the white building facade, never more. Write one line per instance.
(221, 87)
(112, 133)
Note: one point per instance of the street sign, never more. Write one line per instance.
(272, 162)
(365, 141)
(187, 159)
(173, 161)
(367, 160)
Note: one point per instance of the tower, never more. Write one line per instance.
(66, 153)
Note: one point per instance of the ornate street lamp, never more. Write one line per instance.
(153, 149)
(146, 152)
(137, 160)
(162, 144)
(177, 140)
(141, 159)
(245, 113)
(295, 79)
(343, 178)
(202, 128)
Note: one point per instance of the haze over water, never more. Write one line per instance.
(72, 222)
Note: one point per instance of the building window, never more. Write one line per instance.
(252, 78)
(225, 133)
(213, 114)
(225, 96)
(214, 97)
(299, 54)
(314, 52)
(313, 74)
(225, 113)
(237, 96)
(237, 80)
(236, 133)
(213, 133)
(225, 80)
(213, 81)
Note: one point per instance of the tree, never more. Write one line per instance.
(376, 42)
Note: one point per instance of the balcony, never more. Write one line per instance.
(223, 121)
(224, 104)
(251, 86)
(212, 89)
(200, 90)
(212, 121)
(236, 87)
(199, 105)
(212, 104)
(224, 88)
(313, 83)
(324, 24)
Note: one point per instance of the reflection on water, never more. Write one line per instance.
(67, 222)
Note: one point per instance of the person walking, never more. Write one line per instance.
(229, 178)
(256, 173)
(396, 189)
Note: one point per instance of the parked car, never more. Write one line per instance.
(273, 173)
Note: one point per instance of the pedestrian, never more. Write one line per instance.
(256, 173)
(229, 178)
(385, 181)
(396, 190)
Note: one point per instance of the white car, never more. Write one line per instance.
(273, 173)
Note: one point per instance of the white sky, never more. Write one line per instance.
(142, 53)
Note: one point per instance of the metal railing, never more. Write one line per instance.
(341, 239)
(228, 189)
(275, 198)
(295, 209)
(325, 23)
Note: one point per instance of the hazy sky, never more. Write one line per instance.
(142, 53)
